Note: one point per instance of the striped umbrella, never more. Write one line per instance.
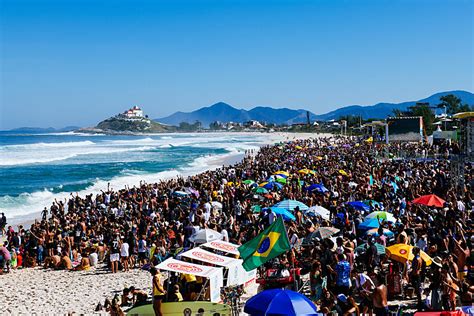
(326, 232)
(291, 205)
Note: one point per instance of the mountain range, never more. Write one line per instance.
(224, 112)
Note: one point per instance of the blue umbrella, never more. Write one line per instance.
(316, 187)
(273, 185)
(369, 224)
(278, 302)
(283, 212)
(359, 205)
(291, 205)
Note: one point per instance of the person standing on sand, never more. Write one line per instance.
(158, 291)
(114, 254)
(379, 299)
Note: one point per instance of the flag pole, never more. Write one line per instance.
(295, 283)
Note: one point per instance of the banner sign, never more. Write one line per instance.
(224, 246)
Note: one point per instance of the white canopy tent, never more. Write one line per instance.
(224, 246)
(215, 275)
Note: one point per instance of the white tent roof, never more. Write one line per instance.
(209, 257)
(178, 266)
(224, 246)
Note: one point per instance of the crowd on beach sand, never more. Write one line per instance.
(139, 227)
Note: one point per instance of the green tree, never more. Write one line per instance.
(451, 102)
(424, 110)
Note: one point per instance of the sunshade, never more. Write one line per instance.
(363, 248)
(259, 190)
(217, 205)
(205, 235)
(318, 211)
(273, 186)
(369, 224)
(283, 212)
(374, 232)
(429, 200)
(343, 173)
(248, 182)
(306, 171)
(282, 173)
(278, 302)
(180, 193)
(403, 253)
(291, 205)
(256, 208)
(359, 205)
(316, 187)
(326, 232)
(281, 180)
(382, 215)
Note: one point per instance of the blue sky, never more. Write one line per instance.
(69, 62)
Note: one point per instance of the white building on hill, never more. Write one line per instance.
(133, 112)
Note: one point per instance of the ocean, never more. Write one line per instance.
(35, 169)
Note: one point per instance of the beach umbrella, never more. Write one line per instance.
(273, 186)
(248, 182)
(343, 173)
(281, 180)
(372, 202)
(278, 302)
(369, 224)
(256, 208)
(325, 232)
(317, 187)
(363, 248)
(318, 211)
(283, 212)
(217, 205)
(268, 196)
(282, 173)
(180, 193)
(382, 215)
(298, 147)
(374, 232)
(369, 140)
(291, 205)
(205, 235)
(359, 205)
(306, 171)
(403, 253)
(429, 200)
(192, 191)
(259, 190)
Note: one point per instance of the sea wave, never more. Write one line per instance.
(47, 145)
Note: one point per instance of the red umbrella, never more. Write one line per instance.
(429, 200)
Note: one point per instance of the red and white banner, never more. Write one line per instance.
(224, 246)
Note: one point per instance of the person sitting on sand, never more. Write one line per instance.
(85, 263)
(65, 263)
(52, 262)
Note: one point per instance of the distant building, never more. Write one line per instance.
(134, 112)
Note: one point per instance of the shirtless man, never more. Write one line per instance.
(379, 299)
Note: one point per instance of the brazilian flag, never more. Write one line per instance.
(269, 244)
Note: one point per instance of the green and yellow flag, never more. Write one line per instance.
(270, 243)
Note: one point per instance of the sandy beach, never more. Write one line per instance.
(38, 291)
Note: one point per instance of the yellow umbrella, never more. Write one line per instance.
(306, 171)
(282, 172)
(369, 140)
(298, 147)
(404, 253)
(343, 173)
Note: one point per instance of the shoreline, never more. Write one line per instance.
(216, 161)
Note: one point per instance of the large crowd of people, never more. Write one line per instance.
(139, 227)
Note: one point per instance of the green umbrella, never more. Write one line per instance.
(281, 180)
(248, 182)
(363, 248)
(260, 190)
(256, 208)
